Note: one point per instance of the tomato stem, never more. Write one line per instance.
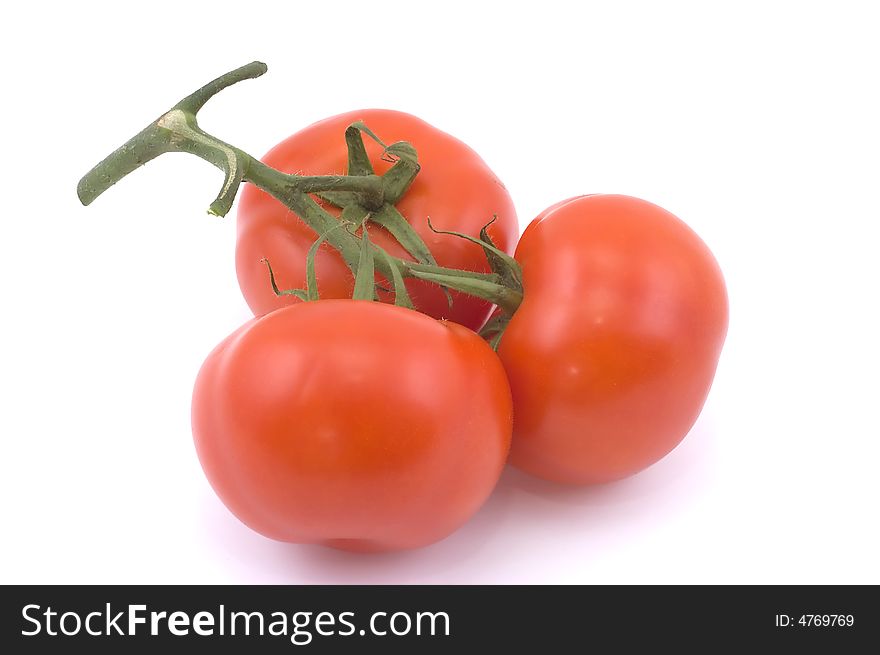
(361, 191)
(358, 160)
(487, 286)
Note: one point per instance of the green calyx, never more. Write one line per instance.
(361, 196)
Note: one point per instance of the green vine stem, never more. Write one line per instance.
(361, 189)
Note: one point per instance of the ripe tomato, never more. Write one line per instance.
(454, 188)
(613, 350)
(352, 424)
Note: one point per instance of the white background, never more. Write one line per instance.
(757, 123)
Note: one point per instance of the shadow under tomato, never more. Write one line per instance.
(258, 560)
(687, 465)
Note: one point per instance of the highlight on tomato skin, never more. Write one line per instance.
(612, 352)
(353, 424)
(454, 188)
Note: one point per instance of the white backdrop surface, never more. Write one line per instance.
(756, 123)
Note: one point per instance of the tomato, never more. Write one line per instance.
(353, 424)
(612, 352)
(454, 188)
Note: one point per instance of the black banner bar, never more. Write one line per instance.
(274, 619)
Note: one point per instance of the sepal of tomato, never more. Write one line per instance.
(454, 188)
(353, 424)
(613, 350)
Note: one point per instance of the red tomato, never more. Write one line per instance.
(613, 350)
(455, 189)
(352, 424)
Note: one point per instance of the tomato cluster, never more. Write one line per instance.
(331, 418)
(364, 426)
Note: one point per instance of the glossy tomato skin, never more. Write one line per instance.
(611, 354)
(353, 424)
(455, 189)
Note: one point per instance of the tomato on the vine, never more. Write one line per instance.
(612, 352)
(353, 424)
(455, 189)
